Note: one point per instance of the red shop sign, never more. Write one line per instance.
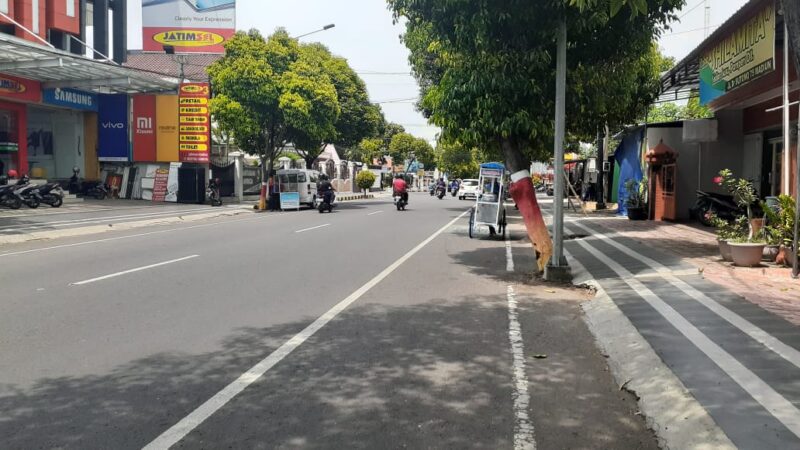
(20, 89)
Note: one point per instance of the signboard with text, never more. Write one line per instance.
(741, 57)
(144, 128)
(20, 89)
(160, 185)
(290, 200)
(194, 123)
(191, 26)
(112, 136)
(70, 98)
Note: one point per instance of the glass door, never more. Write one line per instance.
(776, 168)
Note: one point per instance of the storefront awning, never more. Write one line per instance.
(59, 69)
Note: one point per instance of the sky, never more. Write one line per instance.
(366, 36)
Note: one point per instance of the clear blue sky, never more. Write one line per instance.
(365, 35)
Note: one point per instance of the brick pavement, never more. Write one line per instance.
(769, 286)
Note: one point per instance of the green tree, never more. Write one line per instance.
(357, 118)
(365, 179)
(367, 150)
(404, 145)
(267, 96)
(457, 160)
(487, 73)
(670, 112)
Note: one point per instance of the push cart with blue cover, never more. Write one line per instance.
(489, 209)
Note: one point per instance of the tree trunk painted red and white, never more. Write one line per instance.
(525, 197)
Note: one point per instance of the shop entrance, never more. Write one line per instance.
(55, 142)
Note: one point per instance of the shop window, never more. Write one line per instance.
(4, 6)
(8, 140)
(70, 8)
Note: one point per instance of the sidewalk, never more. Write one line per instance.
(740, 362)
(769, 286)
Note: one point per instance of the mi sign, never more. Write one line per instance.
(112, 139)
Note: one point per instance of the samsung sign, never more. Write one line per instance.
(71, 98)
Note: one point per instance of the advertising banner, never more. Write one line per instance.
(199, 26)
(20, 89)
(743, 56)
(70, 98)
(112, 139)
(160, 185)
(144, 128)
(166, 128)
(194, 138)
(290, 200)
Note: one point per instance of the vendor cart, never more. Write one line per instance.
(489, 209)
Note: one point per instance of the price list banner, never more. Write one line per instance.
(194, 123)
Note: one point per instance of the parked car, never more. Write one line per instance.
(469, 189)
(302, 181)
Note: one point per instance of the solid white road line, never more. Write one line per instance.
(509, 256)
(785, 351)
(138, 269)
(313, 228)
(102, 220)
(373, 213)
(130, 236)
(772, 401)
(178, 431)
(523, 429)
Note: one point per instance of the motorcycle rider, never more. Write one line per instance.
(326, 189)
(400, 187)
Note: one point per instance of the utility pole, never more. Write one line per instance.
(707, 20)
(601, 157)
(558, 269)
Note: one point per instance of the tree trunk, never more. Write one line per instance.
(525, 197)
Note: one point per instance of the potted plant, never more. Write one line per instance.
(773, 247)
(782, 219)
(636, 202)
(746, 250)
(727, 232)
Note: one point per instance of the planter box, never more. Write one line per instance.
(770, 253)
(637, 213)
(725, 250)
(746, 254)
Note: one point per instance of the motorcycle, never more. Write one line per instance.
(25, 190)
(212, 193)
(440, 192)
(709, 203)
(400, 201)
(50, 194)
(327, 202)
(9, 198)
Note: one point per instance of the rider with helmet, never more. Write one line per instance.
(325, 188)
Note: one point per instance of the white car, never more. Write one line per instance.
(468, 189)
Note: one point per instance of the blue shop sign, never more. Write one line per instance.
(71, 98)
(112, 133)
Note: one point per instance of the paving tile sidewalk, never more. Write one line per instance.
(769, 286)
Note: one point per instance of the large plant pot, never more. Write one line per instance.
(746, 254)
(637, 213)
(770, 253)
(724, 250)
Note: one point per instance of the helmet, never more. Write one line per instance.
(323, 177)
(12, 173)
(399, 176)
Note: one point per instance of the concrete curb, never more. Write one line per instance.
(675, 416)
(95, 229)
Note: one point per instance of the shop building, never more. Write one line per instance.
(741, 72)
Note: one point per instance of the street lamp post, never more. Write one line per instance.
(325, 28)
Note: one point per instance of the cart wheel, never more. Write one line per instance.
(471, 221)
(503, 225)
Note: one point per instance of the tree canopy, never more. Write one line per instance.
(357, 118)
(404, 145)
(486, 68)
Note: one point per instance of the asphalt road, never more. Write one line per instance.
(365, 328)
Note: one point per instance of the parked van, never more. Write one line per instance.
(302, 181)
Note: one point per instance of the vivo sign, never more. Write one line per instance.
(113, 140)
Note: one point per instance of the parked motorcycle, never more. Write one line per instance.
(212, 192)
(50, 194)
(709, 203)
(9, 198)
(327, 202)
(25, 190)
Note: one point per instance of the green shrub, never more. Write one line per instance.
(365, 180)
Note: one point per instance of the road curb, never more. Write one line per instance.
(95, 229)
(675, 416)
